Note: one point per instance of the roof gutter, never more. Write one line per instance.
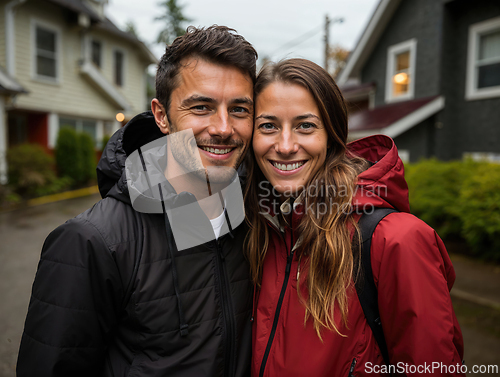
(10, 35)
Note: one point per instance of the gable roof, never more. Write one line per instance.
(8, 85)
(393, 119)
(366, 43)
(77, 6)
(103, 23)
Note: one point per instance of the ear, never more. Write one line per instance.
(160, 115)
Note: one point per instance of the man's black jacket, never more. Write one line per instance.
(104, 302)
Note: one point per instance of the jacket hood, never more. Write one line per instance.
(111, 177)
(383, 184)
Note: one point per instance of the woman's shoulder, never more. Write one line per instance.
(402, 239)
(401, 227)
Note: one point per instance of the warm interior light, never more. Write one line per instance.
(120, 117)
(401, 78)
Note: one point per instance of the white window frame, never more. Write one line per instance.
(59, 63)
(475, 32)
(124, 67)
(392, 52)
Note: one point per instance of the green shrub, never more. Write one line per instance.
(88, 157)
(68, 154)
(58, 185)
(29, 169)
(434, 188)
(75, 155)
(479, 210)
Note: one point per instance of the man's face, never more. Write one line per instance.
(216, 102)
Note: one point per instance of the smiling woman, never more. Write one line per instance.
(304, 252)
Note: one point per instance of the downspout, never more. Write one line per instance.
(10, 36)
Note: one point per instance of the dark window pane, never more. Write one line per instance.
(67, 122)
(118, 68)
(45, 66)
(45, 40)
(89, 127)
(489, 75)
(96, 53)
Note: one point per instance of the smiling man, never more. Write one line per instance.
(118, 292)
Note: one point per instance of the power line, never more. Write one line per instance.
(294, 42)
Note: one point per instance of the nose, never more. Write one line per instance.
(286, 143)
(221, 126)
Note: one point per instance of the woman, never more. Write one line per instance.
(307, 190)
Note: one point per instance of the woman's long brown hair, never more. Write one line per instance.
(326, 237)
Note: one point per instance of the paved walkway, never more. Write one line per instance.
(476, 281)
(22, 233)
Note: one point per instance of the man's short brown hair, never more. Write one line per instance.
(215, 44)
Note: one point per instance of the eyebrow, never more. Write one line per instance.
(268, 117)
(243, 101)
(195, 98)
(298, 117)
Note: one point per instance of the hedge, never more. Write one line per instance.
(479, 209)
(30, 167)
(75, 155)
(459, 199)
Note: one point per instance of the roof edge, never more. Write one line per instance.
(366, 43)
(404, 124)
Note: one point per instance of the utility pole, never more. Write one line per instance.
(327, 42)
(327, 36)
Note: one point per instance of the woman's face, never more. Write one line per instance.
(290, 140)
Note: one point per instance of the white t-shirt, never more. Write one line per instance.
(217, 223)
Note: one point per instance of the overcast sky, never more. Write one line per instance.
(268, 24)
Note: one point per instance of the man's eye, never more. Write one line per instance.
(240, 109)
(200, 108)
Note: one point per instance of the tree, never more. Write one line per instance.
(337, 57)
(131, 29)
(174, 20)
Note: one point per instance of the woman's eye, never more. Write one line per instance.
(306, 126)
(267, 127)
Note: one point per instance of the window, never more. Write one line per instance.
(46, 52)
(80, 125)
(96, 51)
(400, 80)
(483, 60)
(118, 56)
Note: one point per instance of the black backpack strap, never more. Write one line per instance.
(365, 285)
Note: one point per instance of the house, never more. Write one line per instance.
(63, 63)
(427, 73)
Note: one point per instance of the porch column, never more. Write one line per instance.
(3, 142)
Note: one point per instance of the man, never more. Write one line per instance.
(114, 294)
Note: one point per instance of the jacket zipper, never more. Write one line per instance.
(230, 339)
(351, 370)
(289, 259)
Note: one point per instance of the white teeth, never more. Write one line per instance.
(216, 150)
(287, 167)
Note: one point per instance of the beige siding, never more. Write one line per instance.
(133, 89)
(3, 62)
(73, 95)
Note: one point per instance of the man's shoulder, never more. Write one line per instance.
(114, 220)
